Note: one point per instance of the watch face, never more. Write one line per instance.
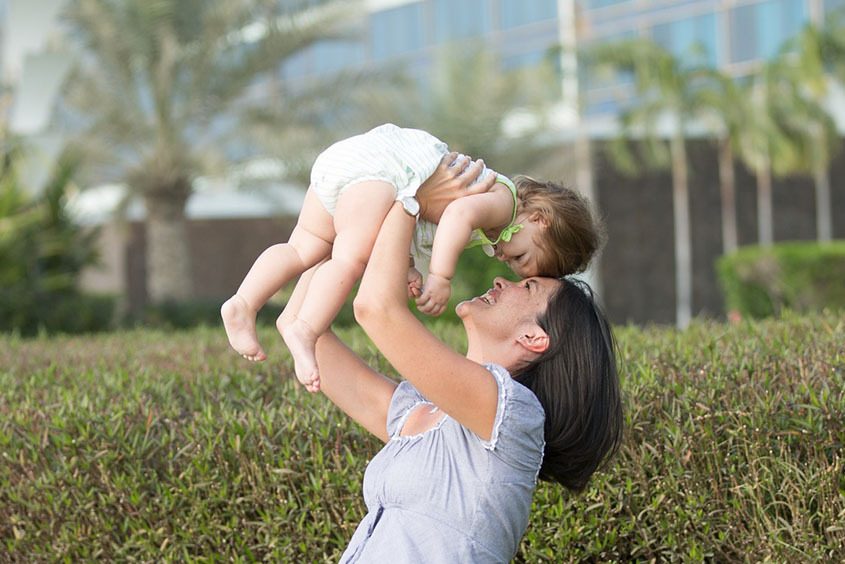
(411, 205)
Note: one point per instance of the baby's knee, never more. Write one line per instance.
(352, 264)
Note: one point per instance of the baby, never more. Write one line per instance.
(537, 228)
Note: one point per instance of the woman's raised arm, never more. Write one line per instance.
(462, 388)
(361, 392)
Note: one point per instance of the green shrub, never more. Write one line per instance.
(42, 253)
(64, 312)
(761, 282)
(167, 446)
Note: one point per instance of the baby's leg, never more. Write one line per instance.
(357, 220)
(309, 243)
(288, 316)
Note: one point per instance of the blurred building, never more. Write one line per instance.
(732, 35)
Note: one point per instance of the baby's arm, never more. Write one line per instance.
(480, 211)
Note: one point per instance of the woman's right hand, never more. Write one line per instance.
(453, 178)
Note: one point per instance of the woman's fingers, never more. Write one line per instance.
(478, 185)
(459, 163)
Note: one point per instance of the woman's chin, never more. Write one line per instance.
(462, 309)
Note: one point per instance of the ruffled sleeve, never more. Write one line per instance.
(518, 437)
(405, 397)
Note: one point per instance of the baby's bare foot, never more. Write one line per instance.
(302, 342)
(239, 322)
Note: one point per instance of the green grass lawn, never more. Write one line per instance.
(167, 446)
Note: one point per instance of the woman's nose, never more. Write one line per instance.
(499, 282)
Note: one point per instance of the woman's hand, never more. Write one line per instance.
(452, 179)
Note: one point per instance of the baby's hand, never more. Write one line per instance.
(436, 292)
(415, 282)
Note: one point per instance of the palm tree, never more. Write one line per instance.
(663, 86)
(158, 92)
(777, 135)
(808, 60)
(722, 100)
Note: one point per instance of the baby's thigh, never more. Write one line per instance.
(361, 210)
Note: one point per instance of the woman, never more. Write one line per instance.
(536, 395)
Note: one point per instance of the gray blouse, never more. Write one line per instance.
(446, 495)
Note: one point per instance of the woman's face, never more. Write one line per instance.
(508, 303)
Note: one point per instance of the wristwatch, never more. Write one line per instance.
(411, 206)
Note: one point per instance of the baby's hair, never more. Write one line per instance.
(573, 233)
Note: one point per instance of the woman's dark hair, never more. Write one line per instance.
(578, 386)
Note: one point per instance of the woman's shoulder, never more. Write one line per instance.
(517, 407)
(518, 436)
(511, 390)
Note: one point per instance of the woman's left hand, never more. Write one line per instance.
(453, 178)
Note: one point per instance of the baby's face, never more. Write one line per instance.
(521, 253)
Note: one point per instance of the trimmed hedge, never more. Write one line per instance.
(167, 446)
(802, 276)
(63, 312)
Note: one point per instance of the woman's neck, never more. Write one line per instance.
(493, 353)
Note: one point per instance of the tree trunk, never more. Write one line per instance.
(765, 230)
(727, 184)
(824, 222)
(168, 255)
(683, 243)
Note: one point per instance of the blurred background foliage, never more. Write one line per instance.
(166, 92)
(42, 252)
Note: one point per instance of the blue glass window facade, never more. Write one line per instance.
(460, 20)
(593, 4)
(514, 13)
(759, 30)
(334, 56)
(396, 31)
(521, 60)
(690, 39)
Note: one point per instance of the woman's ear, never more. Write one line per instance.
(534, 339)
